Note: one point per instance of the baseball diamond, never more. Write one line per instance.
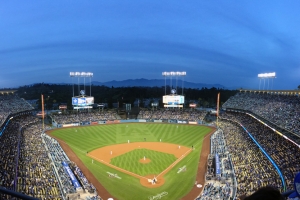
(108, 147)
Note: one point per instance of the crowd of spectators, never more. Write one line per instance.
(285, 153)
(10, 104)
(252, 169)
(84, 182)
(213, 191)
(58, 156)
(223, 185)
(25, 165)
(36, 176)
(172, 114)
(31, 163)
(85, 116)
(8, 155)
(282, 110)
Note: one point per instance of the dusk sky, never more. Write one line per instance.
(225, 42)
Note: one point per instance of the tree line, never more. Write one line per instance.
(57, 94)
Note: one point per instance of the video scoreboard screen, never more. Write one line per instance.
(193, 105)
(82, 101)
(173, 99)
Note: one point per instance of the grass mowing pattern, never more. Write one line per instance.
(88, 138)
(130, 161)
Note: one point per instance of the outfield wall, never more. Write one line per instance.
(86, 123)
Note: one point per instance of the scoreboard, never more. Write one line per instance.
(173, 100)
(82, 101)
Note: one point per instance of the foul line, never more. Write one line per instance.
(123, 170)
(136, 175)
(118, 168)
(70, 145)
(174, 163)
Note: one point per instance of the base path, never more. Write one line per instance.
(105, 194)
(105, 154)
(108, 152)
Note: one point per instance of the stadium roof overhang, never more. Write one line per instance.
(7, 91)
(283, 92)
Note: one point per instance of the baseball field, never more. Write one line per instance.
(138, 160)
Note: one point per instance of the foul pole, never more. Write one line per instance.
(43, 113)
(218, 103)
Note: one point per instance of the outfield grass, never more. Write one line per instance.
(88, 138)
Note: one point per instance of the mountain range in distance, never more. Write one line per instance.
(156, 83)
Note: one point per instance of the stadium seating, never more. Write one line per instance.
(285, 153)
(282, 110)
(174, 114)
(10, 104)
(30, 161)
(223, 186)
(84, 116)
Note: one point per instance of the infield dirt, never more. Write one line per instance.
(105, 154)
(105, 194)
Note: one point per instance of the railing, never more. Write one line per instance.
(289, 134)
(287, 193)
(9, 194)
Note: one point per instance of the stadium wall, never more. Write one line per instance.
(87, 123)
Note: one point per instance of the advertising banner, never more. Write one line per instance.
(82, 101)
(85, 123)
(193, 105)
(218, 171)
(89, 100)
(71, 175)
(67, 125)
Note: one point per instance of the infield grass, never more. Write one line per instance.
(130, 161)
(87, 138)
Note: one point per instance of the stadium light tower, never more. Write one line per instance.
(265, 76)
(81, 75)
(173, 74)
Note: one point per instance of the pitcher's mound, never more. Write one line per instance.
(146, 181)
(147, 160)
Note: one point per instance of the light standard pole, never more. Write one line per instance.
(265, 76)
(48, 104)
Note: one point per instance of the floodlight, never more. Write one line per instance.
(81, 75)
(267, 75)
(172, 73)
(89, 74)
